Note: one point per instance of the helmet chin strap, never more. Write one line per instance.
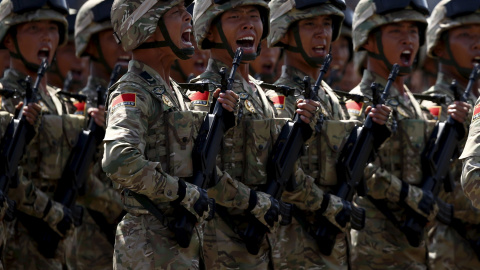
(183, 54)
(381, 56)
(18, 55)
(101, 57)
(464, 72)
(315, 62)
(224, 45)
(53, 68)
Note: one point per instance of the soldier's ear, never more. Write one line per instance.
(8, 42)
(371, 43)
(440, 49)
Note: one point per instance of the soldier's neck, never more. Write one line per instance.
(99, 71)
(451, 73)
(382, 71)
(296, 61)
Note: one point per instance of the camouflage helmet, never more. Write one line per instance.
(347, 23)
(134, 21)
(449, 14)
(93, 17)
(14, 12)
(205, 11)
(371, 14)
(286, 12)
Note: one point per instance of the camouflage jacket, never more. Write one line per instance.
(322, 152)
(149, 137)
(247, 145)
(90, 90)
(47, 153)
(463, 208)
(471, 159)
(399, 156)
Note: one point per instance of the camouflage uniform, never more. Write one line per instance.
(93, 247)
(5, 119)
(148, 145)
(471, 160)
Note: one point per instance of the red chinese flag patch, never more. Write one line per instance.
(199, 98)
(80, 106)
(435, 111)
(128, 99)
(476, 113)
(278, 101)
(354, 108)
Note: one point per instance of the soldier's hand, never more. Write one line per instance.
(459, 111)
(195, 200)
(265, 208)
(31, 111)
(336, 210)
(306, 108)
(98, 115)
(229, 99)
(379, 113)
(59, 218)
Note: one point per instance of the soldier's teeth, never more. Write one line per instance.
(406, 52)
(246, 38)
(188, 30)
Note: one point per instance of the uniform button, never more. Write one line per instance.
(335, 147)
(184, 139)
(169, 193)
(260, 147)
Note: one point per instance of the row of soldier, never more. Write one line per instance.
(152, 124)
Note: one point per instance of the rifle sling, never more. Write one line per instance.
(149, 205)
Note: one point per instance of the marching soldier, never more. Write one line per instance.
(453, 38)
(264, 67)
(32, 32)
(149, 138)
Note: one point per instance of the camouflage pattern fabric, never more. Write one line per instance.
(148, 145)
(244, 154)
(40, 171)
(471, 160)
(204, 12)
(365, 20)
(5, 119)
(381, 243)
(85, 26)
(439, 23)
(135, 21)
(90, 90)
(284, 14)
(305, 252)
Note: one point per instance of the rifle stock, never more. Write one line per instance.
(437, 157)
(204, 155)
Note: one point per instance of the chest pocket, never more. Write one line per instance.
(258, 142)
(413, 136)
(57, 137)
(182, 130)
(328, 147)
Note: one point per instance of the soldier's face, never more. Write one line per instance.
(178, 22)
(266, 62)
(197, 64)
(315, 34)
(242, 27)
(341, 52)
(465, 45)
(112, 52)
(67, 61)
(400, 42)
(36, 40)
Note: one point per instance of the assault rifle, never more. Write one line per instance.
(18, 135)
(356, 154)
(287, 149)
(204, 155)
(73, 180)
(439, 153)
(8, 93)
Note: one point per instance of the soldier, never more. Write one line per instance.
(94, 39)
(453, 38)
(265, 65)
(68, 71)
(31, 32)
(306, 34)
(149, 137)
(224, 26)
(393, 176)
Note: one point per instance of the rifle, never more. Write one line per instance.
(439, 153)
(437, 98)
(72, 182)
(18, 135)
(8, 93)
(204, 155)
(356, 154)
(287, 149)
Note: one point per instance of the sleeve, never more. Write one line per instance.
(284, 105)
(471, 179)
(124, 159)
